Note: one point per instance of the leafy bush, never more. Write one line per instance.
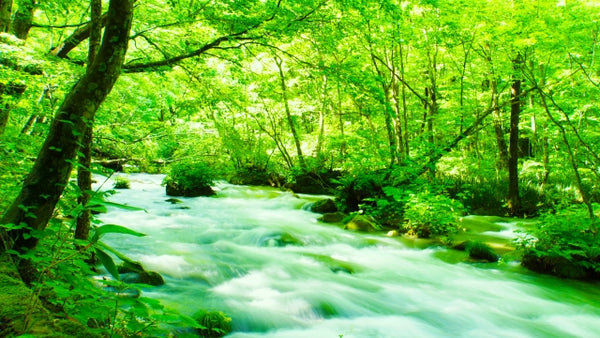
(214, 323)
(189, 178)
(429, 215)
(121, 183)
(355, 191)
(566, 244)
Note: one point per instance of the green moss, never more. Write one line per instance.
(482, 251)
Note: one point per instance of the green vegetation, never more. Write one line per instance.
(566, 244)
(214, 323)
(121, 183)
(412, 113)
(190, 179)
(430, 215)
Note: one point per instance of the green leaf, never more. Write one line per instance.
(115, 252)
(116, 205)
(114, 229)
(108, 263)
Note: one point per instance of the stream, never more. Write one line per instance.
(258, 255)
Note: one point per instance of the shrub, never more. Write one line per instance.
(429, 215)
(189, 178)
(480, 250)
(121, 183)
(566, 244)
(215, 323)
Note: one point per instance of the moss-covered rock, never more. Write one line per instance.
(21, 312)
(478, 250)
(174, 189)
(362, 223)
(481, 251)
(280, 240)
(324, 206)
(558, 266)
(334, 217)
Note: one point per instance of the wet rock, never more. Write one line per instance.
(134, 272)
(334, 217)
(151, 278)
(130, 266)
(173, 189)
(558, 266)
(362, 223)
(324, 206)
(280, 240)
(478, 250)
(174, 201)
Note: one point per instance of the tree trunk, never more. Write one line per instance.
(498, 130)
(4, 112)
(50, 173)
(23, 18)
(288, 114)
(340, 113)
(84, 174)
(389, 126)
(5, 10)
(578, 182)
(321, 134)
(514, 199)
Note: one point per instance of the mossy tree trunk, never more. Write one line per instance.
(14, 89)
(514, 199)
(78, 36)
(23, 19)
(50, 173)
(84, 174)
(5, 10)
(288, 114)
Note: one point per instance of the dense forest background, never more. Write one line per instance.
(410, 112)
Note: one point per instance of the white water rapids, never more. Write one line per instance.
(256, 255)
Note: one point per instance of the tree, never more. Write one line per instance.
(46, 181)
(84, 174)
(23, 19)
(514, 199)
(5, 10)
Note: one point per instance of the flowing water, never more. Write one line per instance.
(259, 256)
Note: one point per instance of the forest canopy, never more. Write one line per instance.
(487, 107)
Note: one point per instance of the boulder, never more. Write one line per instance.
(362, 223)
(558, 266)
(134, 272)
(324, 206)
(333, 217)
(478, 250)
(173, 189)
(151, 278)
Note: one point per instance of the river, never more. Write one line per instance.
(259, 256)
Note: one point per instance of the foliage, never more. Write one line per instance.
(428, 215)
(121, 183)
(566, 244)
(214, 323)
(188, 174)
